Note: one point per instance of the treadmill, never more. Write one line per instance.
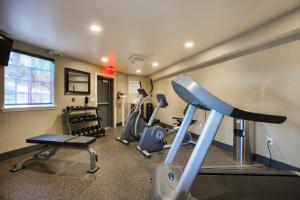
(170, 182)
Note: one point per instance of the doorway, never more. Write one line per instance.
(105, 100)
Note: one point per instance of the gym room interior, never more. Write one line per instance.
(139, 99)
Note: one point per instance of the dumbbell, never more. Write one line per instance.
(86, 118)
(91, 131)
(68, 108)
(86, 132)
(80, 118)
(76, 132)
(95, 130)
(99, 130)
(91, 117)
(81, 131)
(74, 120)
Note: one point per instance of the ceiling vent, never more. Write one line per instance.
(55, 53)
(139, 57)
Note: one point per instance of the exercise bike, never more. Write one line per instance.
(134, 122)
(153, 138)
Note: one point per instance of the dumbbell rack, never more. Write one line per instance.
(78, 121)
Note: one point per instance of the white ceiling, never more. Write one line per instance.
(158, 27)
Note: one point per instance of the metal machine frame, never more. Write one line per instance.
(53, 142)
(152, 135)
(134, 120)
(50, 150)
(171, 182)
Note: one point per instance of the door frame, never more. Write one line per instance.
(114, 94)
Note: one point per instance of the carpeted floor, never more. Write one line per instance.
(124, 173)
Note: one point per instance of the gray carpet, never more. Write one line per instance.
(124, 173)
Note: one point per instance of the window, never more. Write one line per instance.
(28, 81)
(133, 86)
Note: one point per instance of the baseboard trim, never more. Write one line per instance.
(256, 157)
(274, 163)
(21, 151)
(259, 158)
(162, 124)
(119, 124)
(223, 146)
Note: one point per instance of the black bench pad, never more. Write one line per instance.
(80, 140)
(66, 140)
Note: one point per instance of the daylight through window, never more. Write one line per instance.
(28, 81)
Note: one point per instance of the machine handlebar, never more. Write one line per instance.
(141, 91)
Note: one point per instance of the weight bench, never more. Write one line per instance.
(53, 142)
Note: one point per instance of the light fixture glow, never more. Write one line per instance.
(189, 44)
(95, 28)
(138, 71)
(104, 59)
(155, 64)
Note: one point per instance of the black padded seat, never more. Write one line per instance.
(81, 141)
(66, 140)
(162, 98)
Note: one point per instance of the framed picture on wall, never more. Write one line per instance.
(77, 82)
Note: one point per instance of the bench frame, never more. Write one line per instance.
(50, 150)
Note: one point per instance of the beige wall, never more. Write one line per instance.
(257, 70)
(266, 81)
(16, 126)
(122, 86)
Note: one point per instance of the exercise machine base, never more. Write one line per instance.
(148, 154)
(230, 183)
(53, 142)
(122, 141)
(49, 151)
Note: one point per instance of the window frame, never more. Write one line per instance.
(7, 108)
(136, 83)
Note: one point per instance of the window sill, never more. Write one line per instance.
(28, 108)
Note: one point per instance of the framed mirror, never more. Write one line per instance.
(77, 82)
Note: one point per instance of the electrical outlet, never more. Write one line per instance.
(201, 124)
(270, 140)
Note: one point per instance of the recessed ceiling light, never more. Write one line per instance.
(104, 59)
(138, 71)
(155, 64)
(95, 28)
(189, 44)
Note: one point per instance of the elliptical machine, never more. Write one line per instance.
(153, 138)
(134, 122)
